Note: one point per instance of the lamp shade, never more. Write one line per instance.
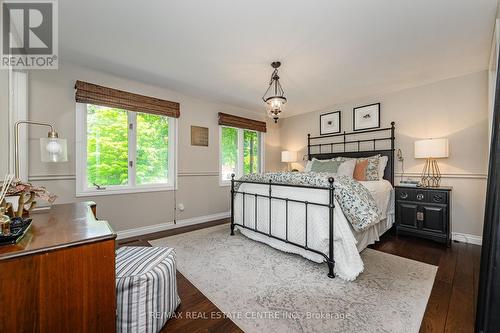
(288, 156)
(431, 148)
(53, 150)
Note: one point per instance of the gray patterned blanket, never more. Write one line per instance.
(356, 202)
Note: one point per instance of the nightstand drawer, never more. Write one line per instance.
(405, 194)
(411, 194)
(422, 195)
(438, 197)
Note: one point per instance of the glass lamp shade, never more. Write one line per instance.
(431, 148)
(53, 150)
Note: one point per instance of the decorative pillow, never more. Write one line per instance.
(382, 164)
(360, 170)
(347, 168)
(367, 168)
(330, 166)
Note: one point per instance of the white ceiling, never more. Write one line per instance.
(332, 50)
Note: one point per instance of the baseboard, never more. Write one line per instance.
(135, 232)
(467, 238)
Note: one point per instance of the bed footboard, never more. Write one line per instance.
(328, 257)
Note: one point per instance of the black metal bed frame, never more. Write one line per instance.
(388, 175)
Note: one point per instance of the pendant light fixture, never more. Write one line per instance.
(274, 97)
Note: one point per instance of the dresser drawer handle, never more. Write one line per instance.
(420, 196)
(403, 195)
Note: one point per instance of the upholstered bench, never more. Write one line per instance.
(146, 288)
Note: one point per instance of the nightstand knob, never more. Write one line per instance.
(420, 196)
(403, 195)
(437, 198)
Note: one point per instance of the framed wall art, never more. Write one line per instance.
(366, 117)
(330, 123)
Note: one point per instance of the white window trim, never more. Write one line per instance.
(239, 165)
(81, 161)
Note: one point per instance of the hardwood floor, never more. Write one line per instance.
(451, 306)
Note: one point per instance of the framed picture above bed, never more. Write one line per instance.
(366, 117)
(330, 123)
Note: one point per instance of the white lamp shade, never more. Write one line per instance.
(53, 150)
(288, 156)
(431, 148)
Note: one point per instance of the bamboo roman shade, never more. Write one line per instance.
(240, 122)
(99, 95)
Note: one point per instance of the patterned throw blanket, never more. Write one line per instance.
(356, 202)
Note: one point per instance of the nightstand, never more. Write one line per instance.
(424, 212)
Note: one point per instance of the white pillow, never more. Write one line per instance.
(382, 164)
(347, 168)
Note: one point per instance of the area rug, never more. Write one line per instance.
(265, 290)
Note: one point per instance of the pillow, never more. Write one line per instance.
(343, 158)
(347, 168)
(325, 166)
(360, 170)
(382, 164)
(308, 166)
(367, 168)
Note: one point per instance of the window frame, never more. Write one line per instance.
(82, 189)
(239, 164)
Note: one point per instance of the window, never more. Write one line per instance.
(240, 152)
(120, 151)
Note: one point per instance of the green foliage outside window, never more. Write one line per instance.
(229, 147)
(251, 149)
(230, 156)
(152, 149)
(107, 147)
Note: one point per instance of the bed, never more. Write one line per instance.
(311, 214)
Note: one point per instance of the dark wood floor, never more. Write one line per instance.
(451, 306)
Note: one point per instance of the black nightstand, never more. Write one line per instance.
(424, 212)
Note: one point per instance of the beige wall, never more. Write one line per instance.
(51, 99)
(455, 108)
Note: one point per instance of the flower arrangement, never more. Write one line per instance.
(27, 194)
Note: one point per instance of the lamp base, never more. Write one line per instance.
(431, 176)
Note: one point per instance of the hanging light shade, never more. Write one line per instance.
(274, 97)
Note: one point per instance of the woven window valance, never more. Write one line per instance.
(95, 94)
(240, 122)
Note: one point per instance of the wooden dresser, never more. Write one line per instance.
(61, 276)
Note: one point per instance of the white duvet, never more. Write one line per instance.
(348, 263)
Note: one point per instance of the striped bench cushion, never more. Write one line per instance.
(146, 288)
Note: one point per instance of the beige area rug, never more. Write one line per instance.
(265, 290)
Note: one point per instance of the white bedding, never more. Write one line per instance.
(348, 263)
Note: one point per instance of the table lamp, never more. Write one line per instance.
(431, 149)
(288, 157)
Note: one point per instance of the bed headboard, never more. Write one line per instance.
(355, 144)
